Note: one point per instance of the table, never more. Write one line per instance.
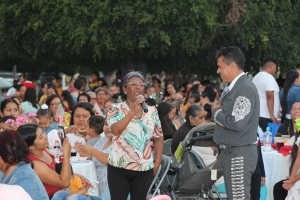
(276, 169)
(86, 169)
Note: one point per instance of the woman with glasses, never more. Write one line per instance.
(53, 102)
(93, 97)
(131, 165)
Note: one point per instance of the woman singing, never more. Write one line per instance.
(130, 164)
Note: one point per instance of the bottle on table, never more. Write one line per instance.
(267, 140)
(59, 116)
(56, 149)
(119, 99)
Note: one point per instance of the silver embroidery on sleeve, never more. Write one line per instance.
(241, 108)
(237, 178)
(215, 117)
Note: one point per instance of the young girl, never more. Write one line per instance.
(48, 125)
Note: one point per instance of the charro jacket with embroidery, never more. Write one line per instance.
(237, 120)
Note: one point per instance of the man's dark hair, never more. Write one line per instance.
(78, 84)
(30, 76)
(232, 54)
(205, 82)
(269, 59)
(55, 77)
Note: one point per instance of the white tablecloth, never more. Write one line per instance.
(87, 170)
(276, 169)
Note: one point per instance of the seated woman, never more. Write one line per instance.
(44, 163)
(99, 155)
(175, 114)
(195, 115)
(83, 97)
(9, 107)
(167, 126)
(292, 184)
(67, 100)
(53, 102)
(16, 166)
(79, 122)
(170, 91)
(29, 103)
(48, 89)
(19, 103)
(288, 127)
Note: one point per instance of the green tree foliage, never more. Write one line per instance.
(169, 35)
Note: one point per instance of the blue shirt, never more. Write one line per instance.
(53, 126)
(292, 96)
(24, 176)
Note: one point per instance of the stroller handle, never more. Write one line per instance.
(192, 141)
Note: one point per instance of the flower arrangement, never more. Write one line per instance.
(31, 118)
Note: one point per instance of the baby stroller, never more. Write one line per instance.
(188, 177)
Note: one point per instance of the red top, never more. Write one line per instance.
(67, 109)
(49, 188)
(28, 84)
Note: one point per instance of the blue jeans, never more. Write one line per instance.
(62, 195)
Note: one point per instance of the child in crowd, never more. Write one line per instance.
(3, 125)
(76, 190)
(48, 125)
(94, 129)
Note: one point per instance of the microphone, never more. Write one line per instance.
(143, 104)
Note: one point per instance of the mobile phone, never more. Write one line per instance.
(62, 133)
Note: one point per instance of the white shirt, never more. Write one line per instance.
(235, 80)
(13, 192)
(266, 82)
(74, 138)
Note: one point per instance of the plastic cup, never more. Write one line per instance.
(286, 138)
(276, 139)
(73, 152)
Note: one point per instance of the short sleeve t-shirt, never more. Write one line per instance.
(75, 185)
(132, 149)
(266, 82)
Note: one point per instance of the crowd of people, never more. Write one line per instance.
(125, 140)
